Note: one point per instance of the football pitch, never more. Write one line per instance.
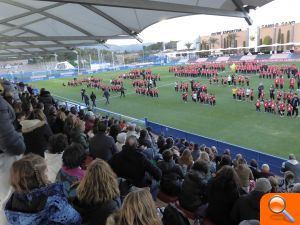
(230, 120)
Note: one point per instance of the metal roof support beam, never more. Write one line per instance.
(7, 47)
(61, 38)
(240, 6)
(31, 12)
(14, 27)
(11, 2)
(114, 21)
(157, 6)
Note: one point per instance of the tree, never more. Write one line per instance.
(213, 41)
(188, 45)
(171, 45)
(267, 41)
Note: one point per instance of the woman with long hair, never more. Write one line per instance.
(186, 160)
(98, 194)
(223, 191)
(138, 209)
(34, 197)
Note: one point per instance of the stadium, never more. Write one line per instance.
(149, 112)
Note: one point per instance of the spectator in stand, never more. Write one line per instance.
(48, 101)
(132, 165)
(292, 165)
(286, 184)
(225, 161)
(186, 161)
(194, 188)
(60, 121)
(211, 165)
(52, 120)
(196, 152)
(247, 207)
(265, 171)
(184, 147)
(102, 146)
(36, 135)
(89, 121)
(244, 173)
(98, 194)
(53, 156)
(254, 168)
(144, 139)
(11, 146)
(296, 188)
(121, 139)
(138, 209)
(274, 184)
(78, 136)
(69, 124)
(172, 174)
(71, 172)
(34, 199)
(131, 130)
(160, 143)
(223, 191)
(114, 131)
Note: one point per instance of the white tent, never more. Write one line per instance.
(38, 26)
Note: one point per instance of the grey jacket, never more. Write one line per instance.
(11, 142)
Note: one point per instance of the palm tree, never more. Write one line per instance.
(213, 41)
(188, 45)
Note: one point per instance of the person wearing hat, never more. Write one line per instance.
(11, 143)
(247, 207)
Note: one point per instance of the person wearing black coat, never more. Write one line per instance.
(223, 191)
(194, 187)
(132, 165)
(36, 136)
(172, 175)
(247, 207)
(48, 101)
(11, 146)
(102, 146)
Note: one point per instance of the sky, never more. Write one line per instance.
(190, 27)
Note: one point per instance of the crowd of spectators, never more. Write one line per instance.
(63, 166)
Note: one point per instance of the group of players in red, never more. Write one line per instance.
(116, 82)
(197, 70)
(275, 107)
(151, 92)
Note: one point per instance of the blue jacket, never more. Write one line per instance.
(52, 208)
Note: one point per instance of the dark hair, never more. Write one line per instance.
(73, 156)
(167, 155)
(143, 134)
(201, 166)
(57, 143)
(226, 179)
(100, 127)
(40, 105)
(253, 163)
(225, 161)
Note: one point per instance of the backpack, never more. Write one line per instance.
(172, 216)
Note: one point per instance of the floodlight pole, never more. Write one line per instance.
(77, 61)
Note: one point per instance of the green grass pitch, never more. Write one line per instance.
(230, 121)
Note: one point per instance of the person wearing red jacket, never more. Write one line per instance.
(292, 83)
(257, 104)
(281, 108)
(266, 105)
(184, 96)
(289, 110)
(281, 82)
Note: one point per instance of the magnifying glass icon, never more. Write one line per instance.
(277, 205)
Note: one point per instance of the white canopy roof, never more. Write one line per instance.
(38, 26)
